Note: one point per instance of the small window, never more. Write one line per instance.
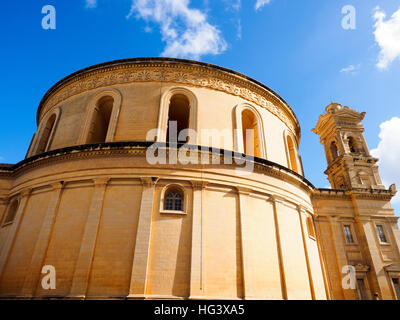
(396, 287)
(362, 295)
(173, 200)
(381, 234)
(310, 228)
(12, 210)
(292, 154)
(348, 234)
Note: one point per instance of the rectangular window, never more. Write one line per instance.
(396, 287)
(12, 211)
(347, 232)
(361, 289)
(381, 234)
(310, 228)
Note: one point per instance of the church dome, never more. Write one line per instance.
(231, 218)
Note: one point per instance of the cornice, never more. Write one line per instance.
(139, 148)
(374, 194)
(331, 194)
(177, 71)
(338, 118)
(357, 193)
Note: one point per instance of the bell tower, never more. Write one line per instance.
(355, 220)
(350, 164)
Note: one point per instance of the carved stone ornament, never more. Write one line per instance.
(362, 268)
(174, 73)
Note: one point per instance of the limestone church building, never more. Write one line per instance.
(88, 207)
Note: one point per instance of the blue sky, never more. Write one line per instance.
(298, 48)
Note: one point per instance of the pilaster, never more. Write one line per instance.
(42, 241)
(302, 212)
(274, 201)
(197, 256)
(378, 279)
(340, 254)
(243, 194)
(138, 283)
(13, 229)
(83, 265)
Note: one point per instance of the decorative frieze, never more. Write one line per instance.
(173, 73)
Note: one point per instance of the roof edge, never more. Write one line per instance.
(139, 60)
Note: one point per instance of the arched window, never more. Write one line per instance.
(12, 210)
(334, 150)
(101, 117)
(249, 131)
(250, 134)
(178, 116)
(100, 120)
(173, 199)
(292, 154)
(46, 134)
(180, 105)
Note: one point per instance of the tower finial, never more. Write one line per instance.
(333, 107)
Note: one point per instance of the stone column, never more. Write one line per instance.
(83, 265)
(42, 242)
(13, 229)
(197, 255)
(138, 283)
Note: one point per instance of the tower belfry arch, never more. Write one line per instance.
(350, 164)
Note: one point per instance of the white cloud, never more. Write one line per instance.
(239, 29)
(261, 3)
(91, 3)
(186, 31)
(352, 69)
(237, 5)
(388, 152)
(387, 36)
(234, 5)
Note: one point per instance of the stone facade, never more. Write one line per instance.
(355, 221)
(87, 201)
